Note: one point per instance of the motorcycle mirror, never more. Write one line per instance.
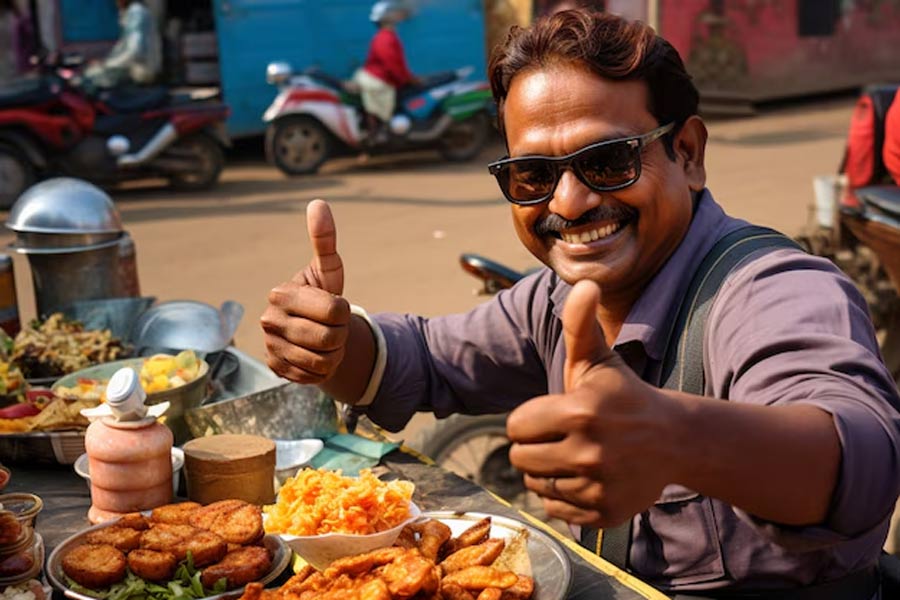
(118, 145)
(278, 72)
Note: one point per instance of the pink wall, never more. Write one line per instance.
(759, 53)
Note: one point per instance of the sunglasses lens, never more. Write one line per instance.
(528, 180)
(610, 165)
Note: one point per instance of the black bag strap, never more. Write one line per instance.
(682, 365)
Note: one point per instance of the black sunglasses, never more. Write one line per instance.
(603, 167)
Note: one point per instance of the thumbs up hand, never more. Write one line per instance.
(600, 452)
(306, 323)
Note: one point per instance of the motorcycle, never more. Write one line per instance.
(51, 125)
(316, 117)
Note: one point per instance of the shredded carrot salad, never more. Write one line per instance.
(321, 501)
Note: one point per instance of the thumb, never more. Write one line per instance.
(583, 336)
(327, 269)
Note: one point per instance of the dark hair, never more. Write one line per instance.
(612, 47)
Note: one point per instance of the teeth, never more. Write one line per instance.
(589, 236)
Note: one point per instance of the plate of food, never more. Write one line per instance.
(181, 551)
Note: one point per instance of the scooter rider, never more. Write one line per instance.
(385, 69)
(137, 56)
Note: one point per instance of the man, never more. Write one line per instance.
(385, 70)
(137, 56)
(766, 481)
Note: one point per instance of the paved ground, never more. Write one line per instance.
(403, 223)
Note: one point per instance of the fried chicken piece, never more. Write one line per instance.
(478, 578)
(152, 565)
(175, 514)
(410, 574)
(95, 566)
(123, 538)
(433, 534)
(475, 534)
(522, 589)
(483, 554)
(451, 591)
(134, 521)
(360, 563)
(234, 521)
(205, 546)
(239, 567)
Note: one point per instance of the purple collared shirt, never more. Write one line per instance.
(785, 328)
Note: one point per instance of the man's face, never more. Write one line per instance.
(560, 108)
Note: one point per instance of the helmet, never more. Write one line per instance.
(388, 10)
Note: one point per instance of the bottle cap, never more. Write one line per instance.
(125, 395)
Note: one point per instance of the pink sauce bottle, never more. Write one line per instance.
(129, 453)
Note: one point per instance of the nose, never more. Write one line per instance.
(572, 198)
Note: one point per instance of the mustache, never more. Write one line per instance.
(553, 223)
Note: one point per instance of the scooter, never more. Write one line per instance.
(316, 117)
(50, 125)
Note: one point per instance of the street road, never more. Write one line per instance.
(402, 223)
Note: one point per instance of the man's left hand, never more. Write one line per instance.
(602, 451)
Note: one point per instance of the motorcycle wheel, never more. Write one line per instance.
(16, 175)
(477, 449)
(298, 145)
(464, 140)
(208, 155)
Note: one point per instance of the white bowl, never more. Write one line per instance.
(321, 550)
(83, 468)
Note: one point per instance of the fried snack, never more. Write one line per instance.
(475, 534)
(134, 521)
(490, 594)
(482, 554)
(522, 589)
(321, 501)
(152, 565)
(95, 566)
(407, 538)
(360, 563)
(478, 578)
(205, 546)
(238, 568)
(451, 591)
(174, 514)
(410, 574)
(433, 535)
(123, 538)
(235, 521)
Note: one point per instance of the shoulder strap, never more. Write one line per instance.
(682, 367)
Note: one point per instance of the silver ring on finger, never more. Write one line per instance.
(551, 486)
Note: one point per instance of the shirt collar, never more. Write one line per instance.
(649, 318)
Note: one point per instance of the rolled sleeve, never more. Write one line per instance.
(791, 328)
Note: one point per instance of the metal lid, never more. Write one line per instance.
(64, 205)
(187, 325)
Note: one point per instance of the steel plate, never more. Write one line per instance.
(551, 569)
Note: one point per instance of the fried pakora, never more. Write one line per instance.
(482, 554)
(175, 514)
(205, 546)
(152, 565)
(238, 568)
(123, 538)
(134, 521)
(95, 566)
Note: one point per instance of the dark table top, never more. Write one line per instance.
(67, 499)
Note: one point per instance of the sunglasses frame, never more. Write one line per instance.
(561, 163)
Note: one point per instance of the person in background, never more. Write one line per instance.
(385, 69)
(136, 58)
(16, 41)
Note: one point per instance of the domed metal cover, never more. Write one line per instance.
(64, 206)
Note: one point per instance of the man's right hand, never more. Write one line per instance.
(307, 321)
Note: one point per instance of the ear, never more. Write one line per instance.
(690, 148)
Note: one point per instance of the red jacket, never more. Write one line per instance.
(386, 59)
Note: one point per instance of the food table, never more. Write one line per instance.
(67, 499)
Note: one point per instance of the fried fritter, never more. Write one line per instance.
(234, 521)
(478, 578)
(239, 567)
(475, 534)
(123, 538)
(175, 514)
(483, 554)
(433, 534)
(134, 521)
(410, 574)
(95, 566)
(520, 590)
(451, 591)
(360, 563)
(490, 594)
(205, 546)
(152, 565)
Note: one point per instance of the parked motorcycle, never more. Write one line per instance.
(316, 117)
(49, 125)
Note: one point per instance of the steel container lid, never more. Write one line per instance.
(64, 206)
